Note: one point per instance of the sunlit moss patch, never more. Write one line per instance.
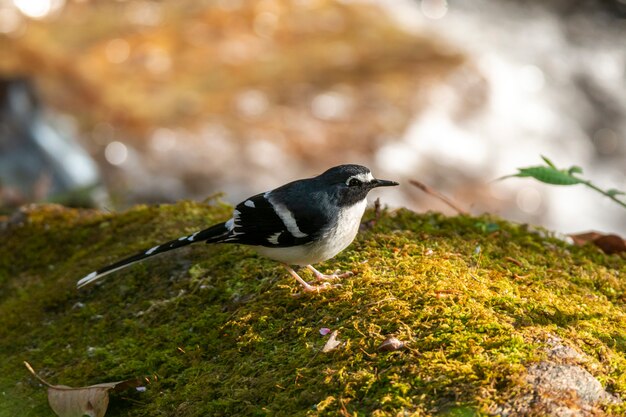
(220, 331)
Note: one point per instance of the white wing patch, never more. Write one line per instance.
(236, 218)
(192, 237)
(249, 203)
(274, 238)
(233, 222)
(286, 216)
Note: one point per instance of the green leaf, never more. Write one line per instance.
(547, 161)
(613, 192)
(548, 175)
(575, 170)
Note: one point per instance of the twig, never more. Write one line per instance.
(32, 371)
(377, 215)
(438, 195)
(513, 260)
(601, 191)
(392, 298)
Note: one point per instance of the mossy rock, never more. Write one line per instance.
(220, 331)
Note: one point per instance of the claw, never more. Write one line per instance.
(334, 276)
(341, 275)
(317, 288)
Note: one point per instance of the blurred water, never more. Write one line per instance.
(554, 86)
(291, 87)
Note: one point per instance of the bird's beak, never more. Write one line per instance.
(382, 183)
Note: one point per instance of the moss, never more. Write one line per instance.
(220, 332)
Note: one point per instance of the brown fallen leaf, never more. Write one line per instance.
(611, 244)
(332, 342)
(390, 344)
(584, 238)
(84, 401)
(608, 243)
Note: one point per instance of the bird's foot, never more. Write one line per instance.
(318, 288)
(308, 287)
(331, 277)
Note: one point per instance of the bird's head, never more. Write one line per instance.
(351, 183)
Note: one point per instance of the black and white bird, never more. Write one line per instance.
(300, 223)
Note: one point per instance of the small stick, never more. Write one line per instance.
(32, 371)
(513, 260)
(438, 195)
(377, 215)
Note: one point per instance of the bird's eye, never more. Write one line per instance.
(353, 182)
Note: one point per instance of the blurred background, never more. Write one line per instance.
(111, 103)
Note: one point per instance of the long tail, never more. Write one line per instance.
(211, 235)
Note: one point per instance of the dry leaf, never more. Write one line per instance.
(608, 243)
(332, 342)
(611, 244)
(583, 238)
(390, 344)
(78, 402)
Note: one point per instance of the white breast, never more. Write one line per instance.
(334, 240)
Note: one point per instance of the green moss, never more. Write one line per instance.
(220, 331)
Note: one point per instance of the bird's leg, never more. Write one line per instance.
(335, 275)
(308, 287)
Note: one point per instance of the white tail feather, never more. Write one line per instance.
(94, 276)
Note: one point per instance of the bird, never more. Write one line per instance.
(301, 223)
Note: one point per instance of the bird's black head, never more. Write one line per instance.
(350, 184)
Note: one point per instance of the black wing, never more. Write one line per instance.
(256, 221)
